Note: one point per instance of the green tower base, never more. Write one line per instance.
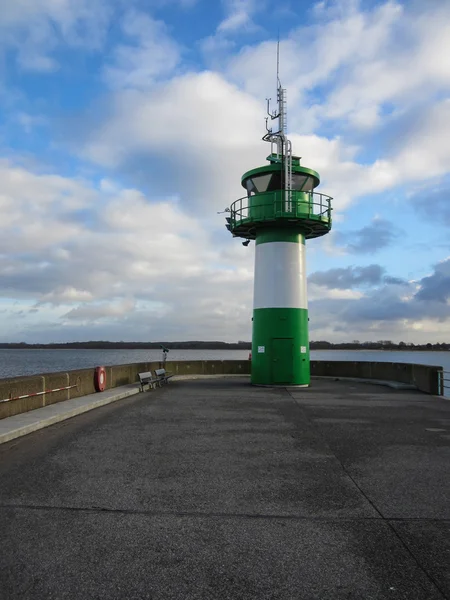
(280, 348)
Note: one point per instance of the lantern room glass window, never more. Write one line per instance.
(302, 183)
(270, 182)
(266, 182)
(258, 184)
(262, 182)
(251, 189)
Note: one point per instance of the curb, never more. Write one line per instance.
(215, 376)
(33, 420)
(395, 385)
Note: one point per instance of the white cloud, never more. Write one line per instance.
(238, 20)
(95, 312)
(124, 258)
(239, 15)
(211, 131)
(318, 292)
(146, 269)
(30, 122)
(206, 129)
(416, 311)
(413, 63)
(35, 207)
(362, 60)
(313, 55)
(425, 150)
(183, 117)
(422, 153)
(65, 294)
(200, 110)
(35, 28)
(153, 55)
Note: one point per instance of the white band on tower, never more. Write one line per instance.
(280, 276)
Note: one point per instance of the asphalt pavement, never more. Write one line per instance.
(214, 489)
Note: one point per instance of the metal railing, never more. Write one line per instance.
(60, 389)
(270, 205)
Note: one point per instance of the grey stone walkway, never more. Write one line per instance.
(215, 489)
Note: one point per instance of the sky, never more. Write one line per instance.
(125, 127)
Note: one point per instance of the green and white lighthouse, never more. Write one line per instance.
(280, 212)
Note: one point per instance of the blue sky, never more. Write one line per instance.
(125, 126)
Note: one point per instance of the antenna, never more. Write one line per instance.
(281, 113)
(279, 138)
(278, 60)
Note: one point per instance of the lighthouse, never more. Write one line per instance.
(280, 211)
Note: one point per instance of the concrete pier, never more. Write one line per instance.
(214, 489)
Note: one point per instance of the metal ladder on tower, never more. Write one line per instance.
(287, 149)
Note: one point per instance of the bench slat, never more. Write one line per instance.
(147, 377)
(163, 375)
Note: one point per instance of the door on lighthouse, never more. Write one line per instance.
(282, 360)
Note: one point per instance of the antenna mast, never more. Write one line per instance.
(278, 61)
(279, 138)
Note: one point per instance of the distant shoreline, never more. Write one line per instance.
(198, 345)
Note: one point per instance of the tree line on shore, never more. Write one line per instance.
(215, 345)
(380, 345)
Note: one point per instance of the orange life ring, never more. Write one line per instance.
(100, 379)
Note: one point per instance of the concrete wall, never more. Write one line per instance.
(83, 379)
(424, 377)
(209, 367)
(20, 386)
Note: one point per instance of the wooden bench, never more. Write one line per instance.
(148, 379)
(163, 376)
